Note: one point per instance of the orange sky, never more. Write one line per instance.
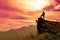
(26, 9)
(29, 10)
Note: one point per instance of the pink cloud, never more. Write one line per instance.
(7, 11)
(53, 6)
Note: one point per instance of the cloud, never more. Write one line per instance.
(4, 5)
(7, 11)
(55, 6)
(11, 15)
(58, 1)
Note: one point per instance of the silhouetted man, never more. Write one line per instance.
(40, 22)
(43, 15)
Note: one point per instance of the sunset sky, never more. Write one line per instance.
(29, 10)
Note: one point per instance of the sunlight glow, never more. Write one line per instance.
(38, 4)
(30, 5)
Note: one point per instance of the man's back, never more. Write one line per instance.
(43, 14)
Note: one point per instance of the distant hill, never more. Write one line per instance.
(18, 34)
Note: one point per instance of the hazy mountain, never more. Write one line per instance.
(50, 31)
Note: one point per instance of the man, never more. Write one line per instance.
(43, 15)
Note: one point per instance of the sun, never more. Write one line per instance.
(29, 5)
(38, 4)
